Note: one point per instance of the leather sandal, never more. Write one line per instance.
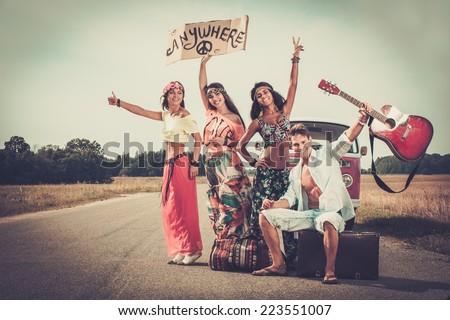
(330, 279)
(266, 272)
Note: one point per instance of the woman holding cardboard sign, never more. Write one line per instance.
(179, 193)
(270, 115)
(229, 191)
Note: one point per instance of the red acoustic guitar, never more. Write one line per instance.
(407, 136)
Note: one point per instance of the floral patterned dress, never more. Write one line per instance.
(229, 192)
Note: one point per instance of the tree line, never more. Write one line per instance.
(429, 164)
(80, 161)
(84, 161)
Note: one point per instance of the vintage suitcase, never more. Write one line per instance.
(357, 256)
(239, 255)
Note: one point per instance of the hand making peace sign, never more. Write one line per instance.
(297, 47)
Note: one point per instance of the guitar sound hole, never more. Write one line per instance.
(390, 123)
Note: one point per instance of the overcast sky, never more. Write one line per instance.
(61, 59)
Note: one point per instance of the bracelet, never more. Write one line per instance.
(194, 163)
(118, 103)
(295, 59)
(362, 123)
(253, 162)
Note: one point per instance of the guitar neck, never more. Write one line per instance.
(375, 114)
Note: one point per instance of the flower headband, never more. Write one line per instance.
(174, 85)
(215, 91)
(259, 89)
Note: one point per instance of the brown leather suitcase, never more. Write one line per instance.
(357, 256)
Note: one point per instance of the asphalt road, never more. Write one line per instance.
(114, 249)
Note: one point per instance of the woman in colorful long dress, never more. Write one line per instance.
(229, 192)
(179, 192)
(270, 115)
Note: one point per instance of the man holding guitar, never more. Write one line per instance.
(408, 136)
(323, 201)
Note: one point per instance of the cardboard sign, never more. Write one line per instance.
(194, 40)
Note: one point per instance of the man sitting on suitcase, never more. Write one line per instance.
(324, 204)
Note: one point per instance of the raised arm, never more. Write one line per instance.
(293, 78)
(203, 80)
(357, 127)
(155, 115)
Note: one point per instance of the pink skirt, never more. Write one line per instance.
(180, 209)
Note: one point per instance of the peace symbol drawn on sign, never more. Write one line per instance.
(204, 47)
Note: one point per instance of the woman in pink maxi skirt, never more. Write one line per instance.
(179, 193)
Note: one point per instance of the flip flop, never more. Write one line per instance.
(266, 272)
(330, 279)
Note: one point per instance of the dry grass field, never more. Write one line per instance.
(420, 215)
(428, 196)
(32, 198)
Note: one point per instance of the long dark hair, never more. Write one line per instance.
(278, 99)
(165, 103)
(228, 102)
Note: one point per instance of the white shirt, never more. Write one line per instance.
(325, 170)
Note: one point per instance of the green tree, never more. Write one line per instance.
(17, 145)
(17, 162)
(82, 160)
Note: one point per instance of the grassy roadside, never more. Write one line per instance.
(419, 216)
(33, 198)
